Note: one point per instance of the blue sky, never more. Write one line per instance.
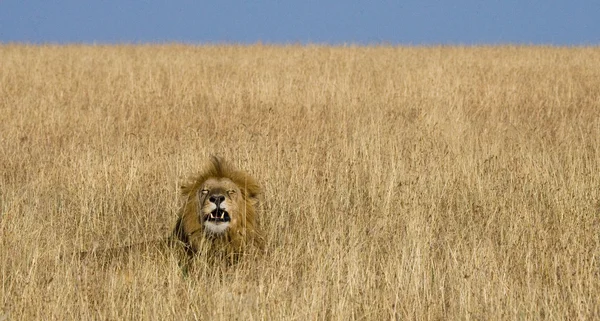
(427, 22)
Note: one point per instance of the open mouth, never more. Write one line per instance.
(217, 216)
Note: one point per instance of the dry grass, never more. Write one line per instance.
(401, 183)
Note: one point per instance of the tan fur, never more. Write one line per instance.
(189, 232)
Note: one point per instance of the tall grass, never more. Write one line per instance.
(400, 183)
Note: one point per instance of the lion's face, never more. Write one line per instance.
(219, 202)
(220, 207)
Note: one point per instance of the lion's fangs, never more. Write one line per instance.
(218, 216)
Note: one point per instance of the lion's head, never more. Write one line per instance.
(219, 209)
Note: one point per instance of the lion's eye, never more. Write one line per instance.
(204, 191)
(230, 192)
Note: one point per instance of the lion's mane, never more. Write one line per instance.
(189, 232)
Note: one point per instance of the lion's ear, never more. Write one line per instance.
(185, 189)
(254, 196)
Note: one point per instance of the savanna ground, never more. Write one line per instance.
(400, 183)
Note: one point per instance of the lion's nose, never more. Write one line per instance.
(217, 199)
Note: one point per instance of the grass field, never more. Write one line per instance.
(400, 182)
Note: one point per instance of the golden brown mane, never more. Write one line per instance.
(189, 231)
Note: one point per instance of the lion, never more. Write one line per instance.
(217, 218)
(219, 213)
